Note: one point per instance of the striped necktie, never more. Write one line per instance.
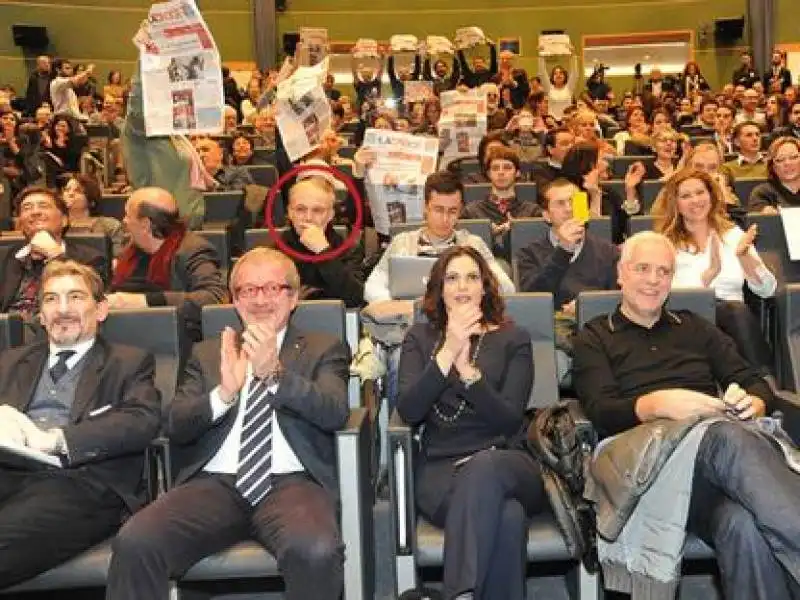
(255, 446)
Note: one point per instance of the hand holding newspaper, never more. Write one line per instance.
(303, 112)
(469, 37)
(401, 162)
(180, 70)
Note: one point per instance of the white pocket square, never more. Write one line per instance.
(100, 411)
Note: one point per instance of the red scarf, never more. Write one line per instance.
(158, 271)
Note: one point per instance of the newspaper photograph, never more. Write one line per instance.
(180, 70)
(396, 179)
(462, 123)
(315, 46)
(303, 112)
(417, 91)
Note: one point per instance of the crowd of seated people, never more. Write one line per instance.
(465, 375)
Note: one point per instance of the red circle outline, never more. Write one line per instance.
(351, 239)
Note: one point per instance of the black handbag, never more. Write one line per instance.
(562, 439)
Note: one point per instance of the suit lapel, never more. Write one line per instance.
(12, 276)
(89, 380)
(29, 370)
(292, 347)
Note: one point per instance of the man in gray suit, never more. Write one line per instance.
(252, 427)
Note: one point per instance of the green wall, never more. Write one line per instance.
(93, 30)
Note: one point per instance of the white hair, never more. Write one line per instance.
(643, 237)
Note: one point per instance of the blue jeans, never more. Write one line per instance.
(746, 505)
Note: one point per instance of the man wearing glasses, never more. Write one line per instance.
(254, 420)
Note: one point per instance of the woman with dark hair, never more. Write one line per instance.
(560, 86)
(242, 151)
(82, 196)
(637, 130)
(782, 189)
(712, 252)
(493, 139)
(775, 113)
(62, 148)
(465, 378)
(12, 157)
(692, 81)
(586, 168)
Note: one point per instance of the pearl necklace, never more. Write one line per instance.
(462, 405)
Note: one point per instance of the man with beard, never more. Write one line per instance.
(77, 397)
(478, 74)
(311, 211)
(42, 217)
(502, 203)
(441, 81)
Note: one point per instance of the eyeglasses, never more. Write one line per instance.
(270, 290)
(781, 160)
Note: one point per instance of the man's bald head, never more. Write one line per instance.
(151, 215)
(156, 197)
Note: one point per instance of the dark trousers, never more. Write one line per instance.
(295, 522)
(49, 517)
(745, 505)
(483, 507)
(738, 321)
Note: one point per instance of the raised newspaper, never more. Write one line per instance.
(181, 71)
(303, 112)
(462, 123)
(396, 179)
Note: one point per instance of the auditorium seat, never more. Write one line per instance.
(619, 165)
(648, 191)
(99, 242)
(418, 543)
(266, 175)
(11, 330)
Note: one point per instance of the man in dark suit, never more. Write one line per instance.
(165, 264)
(80, 398)
(253, 426)
(777, 78)
(38, 90)
(42, 217)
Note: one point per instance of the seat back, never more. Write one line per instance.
(639, 223)
(262, 237)
(772, 239)
(526, 191)
(592, 304)
(744, 187)
(157, 330)
(525, 231)
(619, 165)
(112, 205)
(788, 342)
(99, 242)
(534, 313)
(480, 227)
(326, 316)
(223, 206)
(221, 240)
(474, 192)
(11, 333)
(266, 175)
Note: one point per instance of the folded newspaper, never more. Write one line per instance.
(366, 48)
(469, 37)
(557, 44)
(437, 44)
(395, 181)
(404, 43)
(181, 71)
(303, 112)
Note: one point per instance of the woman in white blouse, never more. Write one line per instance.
(560, 86)
(713, 252)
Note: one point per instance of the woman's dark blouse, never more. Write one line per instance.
(495, 404)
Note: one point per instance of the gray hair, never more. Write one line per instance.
(643, 237)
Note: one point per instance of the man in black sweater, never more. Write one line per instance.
(568, 260)
(442, 82)
(399, 76)
(311, 210)
(478, 74)
(644, 363)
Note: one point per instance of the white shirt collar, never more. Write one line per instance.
(23, 252)
(81, 348)
(742, 160)
(556, 244)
